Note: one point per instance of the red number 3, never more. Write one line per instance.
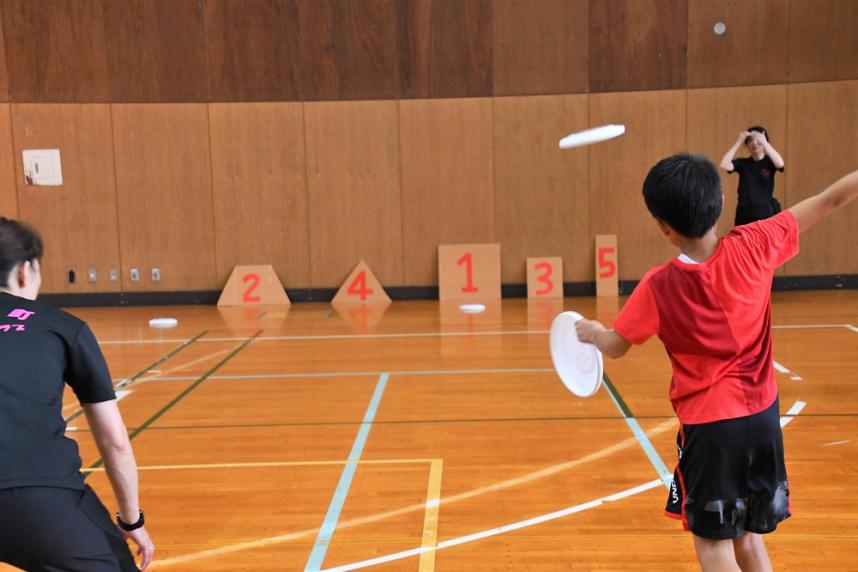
(545, 278)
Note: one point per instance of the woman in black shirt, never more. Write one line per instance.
(49, 519)
(756, 175)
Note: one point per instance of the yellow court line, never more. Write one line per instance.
(268, 464)
(670, 424)
(430, 520)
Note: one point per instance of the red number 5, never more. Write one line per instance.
(609, 266)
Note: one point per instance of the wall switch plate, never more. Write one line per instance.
(92, 275)
(113, 275)
(135, 275)
(156, 275)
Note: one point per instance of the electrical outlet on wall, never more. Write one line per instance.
(135, 274)
(113, 275)
(156, 275)
(92, 275)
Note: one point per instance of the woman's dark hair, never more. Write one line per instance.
(684, 191)
(759, 129)
(19, 242)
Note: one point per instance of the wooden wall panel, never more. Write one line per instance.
(164, 190)
(637, 45)
(57, 50)
(413, 46)
(8, 190)
(541, 192)
(156, 50)
(77, 219)
(823, 40)
(260, 189)
(540, 47)
(823, 146)
(354, 196)
(461, 48)
(348, 50)
(447, 180)
(715, 119)
(4, 74)
(655, 128)
(253, 50)
(753, 50)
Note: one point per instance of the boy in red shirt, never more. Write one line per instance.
(711, 309)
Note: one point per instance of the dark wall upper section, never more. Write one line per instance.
(55, 50)
(156, 50)
(638, 45)
(313, 50)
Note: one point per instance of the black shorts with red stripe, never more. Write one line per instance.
(731, 477)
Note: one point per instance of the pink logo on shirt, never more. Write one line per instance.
(20, 313)
(15, 327)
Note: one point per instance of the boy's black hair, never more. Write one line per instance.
(759, 129)
(684, 191)
(19, 242)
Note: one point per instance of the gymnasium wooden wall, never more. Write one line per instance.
(200, 134)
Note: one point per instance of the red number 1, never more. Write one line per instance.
(469, 273)
(358, 286)
(254, 278)
(609, 265)
(545, 278)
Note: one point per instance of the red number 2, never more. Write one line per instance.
(609, 266)
(254, 278)
(545, 278)
(358, 286)
(469, 273)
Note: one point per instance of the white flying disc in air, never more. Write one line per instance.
(594, 135)
(578, 365)
(163, 323)
(472, 308)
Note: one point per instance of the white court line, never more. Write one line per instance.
(183, 366)
(784, 370)
(833, 443)
(494, 487)
(416, 372)
(409, 335)
(793, 411)
(502, 529)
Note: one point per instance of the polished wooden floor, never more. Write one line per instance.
(427, 439)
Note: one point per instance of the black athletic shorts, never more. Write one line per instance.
(731, 476)
(45, 529)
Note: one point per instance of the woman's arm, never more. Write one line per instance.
(727, 161)
(111, 437)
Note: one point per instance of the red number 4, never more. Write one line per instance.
(358, 286)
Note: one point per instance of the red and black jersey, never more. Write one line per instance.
(714, 319)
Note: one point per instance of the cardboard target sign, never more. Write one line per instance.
(361, 287)
(545, 277)
(469, 272)
(253, 286)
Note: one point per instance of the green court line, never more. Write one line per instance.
(142, 372)
(184, 393)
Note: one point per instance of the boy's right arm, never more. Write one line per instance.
(812, 210)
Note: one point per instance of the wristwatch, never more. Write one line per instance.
(130, 527)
